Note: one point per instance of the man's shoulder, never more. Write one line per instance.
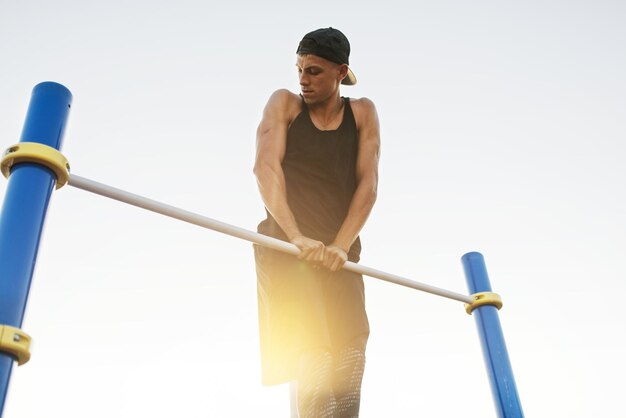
(362, 103)
(285, 98)
(285, 102)
(363, 108)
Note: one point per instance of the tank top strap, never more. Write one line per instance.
(303, 105)
(348, 115)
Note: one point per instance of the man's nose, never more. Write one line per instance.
(304, 79)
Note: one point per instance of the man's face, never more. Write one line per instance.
(319, 78)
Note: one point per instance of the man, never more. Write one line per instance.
(317, 172)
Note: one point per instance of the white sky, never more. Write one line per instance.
(503, 131)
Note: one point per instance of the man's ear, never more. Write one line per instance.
(343, 71)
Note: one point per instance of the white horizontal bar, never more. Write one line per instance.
(276, 244)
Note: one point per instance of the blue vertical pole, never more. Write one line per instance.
(24, 211)
(503, 386)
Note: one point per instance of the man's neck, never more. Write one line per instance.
(326, 114)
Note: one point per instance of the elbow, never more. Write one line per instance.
(263, 172)
(372, 195)
(260, 167)
(373, 188)
(258, 170)
(369, 190)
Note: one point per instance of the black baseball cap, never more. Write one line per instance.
(330, 44)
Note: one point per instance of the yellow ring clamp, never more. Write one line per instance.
(33, 152)
(15, 342)
(483, 298)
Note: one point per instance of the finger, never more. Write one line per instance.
(328, 261)
(338, 264)
(305, 253)
(313, 255)
(333, 265)
(317, 252)
(321, 254)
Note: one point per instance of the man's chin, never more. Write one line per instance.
(308, 96)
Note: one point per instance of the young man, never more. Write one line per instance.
(317, 172)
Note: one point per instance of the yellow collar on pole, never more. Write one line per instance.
(482, 299)
(34, 152)
(15, 342)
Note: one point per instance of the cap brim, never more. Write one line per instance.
(350, 79)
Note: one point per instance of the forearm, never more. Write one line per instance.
(271, 183)
(366, 174)
(273, 191)
(358, 212)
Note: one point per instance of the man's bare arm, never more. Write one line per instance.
(271, 145)
(367, 184)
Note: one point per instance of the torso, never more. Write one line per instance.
(320, 174)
